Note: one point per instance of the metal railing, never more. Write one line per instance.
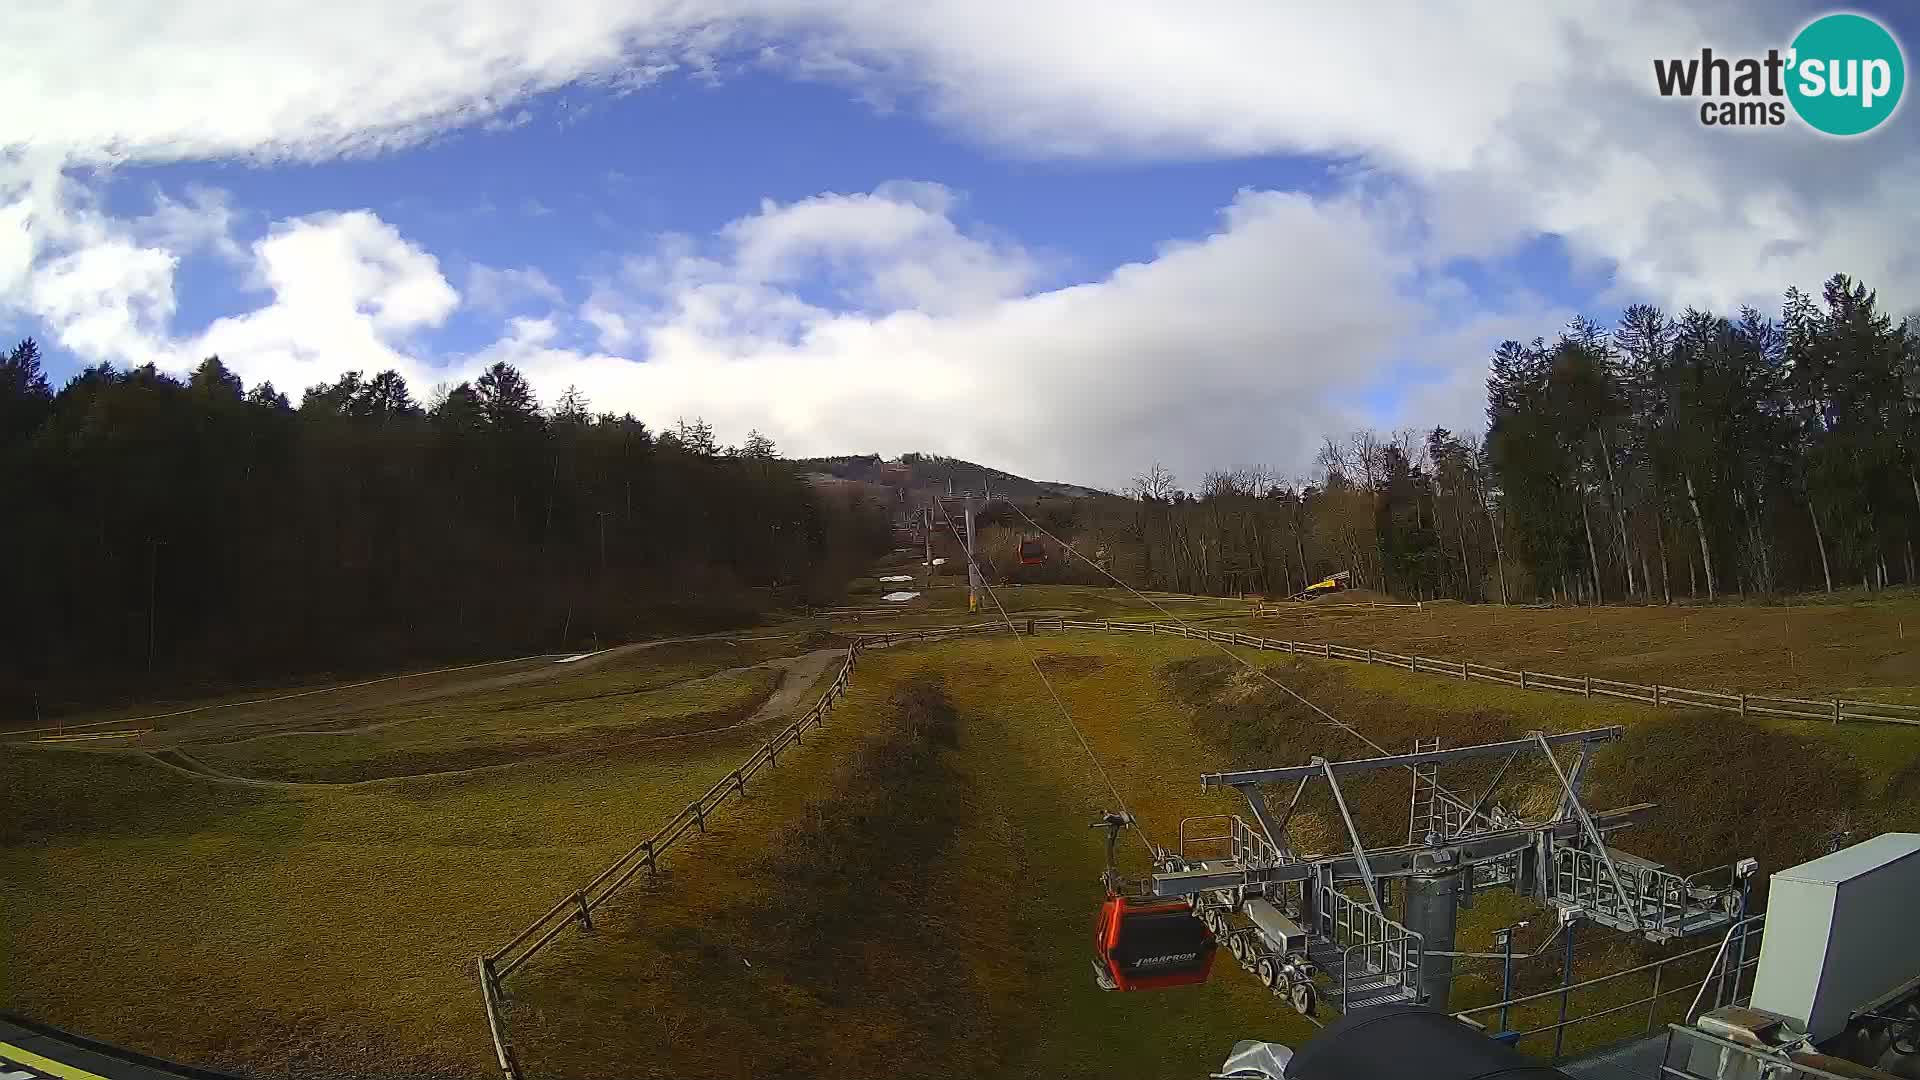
(1727, 971)
(1656, 901)
(1228, 836)
(1387, 951)
(1833, 710)
(1692, 1054)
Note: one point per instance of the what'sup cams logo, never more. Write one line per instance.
(1842, 75)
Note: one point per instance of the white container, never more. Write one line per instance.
(1842, 930)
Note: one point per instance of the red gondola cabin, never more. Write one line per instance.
(1032, 553)
(1150, 945)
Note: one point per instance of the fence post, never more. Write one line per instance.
(1029, 627)
(653, 866)
(1326, 649)
(699, 815)
(1743, 706)
(1414, 664)
(1836, 710)
(772, 754)
(586, 913)
(1369, 656)
(1653, 1002)
(739, 782)
(1656, 693)
(1463, 671)
(1586, 690)
(487, 973)
(1523, 678)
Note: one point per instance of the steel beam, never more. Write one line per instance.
(1632, 903)
(1353, 833)
(1402, 761)
(1391, 862)
(1258, 804)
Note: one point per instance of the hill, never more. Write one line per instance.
(917, 472)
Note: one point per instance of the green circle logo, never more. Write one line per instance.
(1846, 74)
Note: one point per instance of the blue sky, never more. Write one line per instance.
(1210, 236)
(592, 175)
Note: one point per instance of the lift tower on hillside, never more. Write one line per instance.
(1309, 925)
(970, 505)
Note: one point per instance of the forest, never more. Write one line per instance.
(168, 535)
(1667, 459)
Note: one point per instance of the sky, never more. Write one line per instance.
(1065, 239)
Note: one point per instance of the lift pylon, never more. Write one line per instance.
(1319, 925)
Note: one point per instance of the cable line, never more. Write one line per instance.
(1236, 657)
(1051, 692)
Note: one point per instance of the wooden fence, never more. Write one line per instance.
(1830, 709)
(577, 907)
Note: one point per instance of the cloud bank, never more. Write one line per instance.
(878, 318)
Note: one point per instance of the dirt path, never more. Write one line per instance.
(539, 668)
(797, 676)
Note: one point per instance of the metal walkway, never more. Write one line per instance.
(1635, 1059)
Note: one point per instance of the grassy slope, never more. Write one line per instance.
(1857, 647)
(476, 731)
(306, 932)
(319, 927)
(688, 981)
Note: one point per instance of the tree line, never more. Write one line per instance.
(1670, 457)
(169, 533)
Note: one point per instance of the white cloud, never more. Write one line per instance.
(894, 248)
(109, 301)
(1479, 140)
(348, 290)
(204, 220)
(1547, 124)
(1230, 347)
(496, 291)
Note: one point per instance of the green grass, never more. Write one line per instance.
(975, 892)
(829, 922)
(306, 932)
(475, 732)
(1859, 648)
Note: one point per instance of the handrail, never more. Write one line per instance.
(1719, 957)
(1760, 1062)
(1595, 981)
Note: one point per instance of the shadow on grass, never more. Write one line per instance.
(839, 968)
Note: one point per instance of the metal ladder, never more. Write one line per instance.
(1426, 788)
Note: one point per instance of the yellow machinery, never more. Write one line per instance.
(1332, 584)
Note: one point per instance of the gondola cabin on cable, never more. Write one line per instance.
(1150, 945)
(1032, 552)
(1142, 943)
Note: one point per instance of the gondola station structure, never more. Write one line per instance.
(1321, 927)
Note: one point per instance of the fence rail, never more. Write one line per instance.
(577, 907)
(1832, 710)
